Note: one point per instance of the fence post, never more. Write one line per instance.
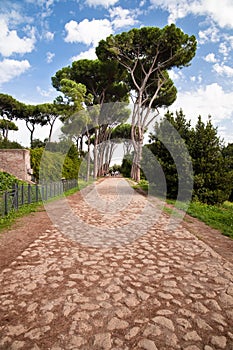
(16, 196)
(6, 202)
(29, 194)
(22, 194)
(37, 193)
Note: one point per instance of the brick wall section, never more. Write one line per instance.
(16, 162)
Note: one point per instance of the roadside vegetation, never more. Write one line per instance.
(218, 216)
(7, 221)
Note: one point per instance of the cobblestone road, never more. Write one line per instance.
(111, 272)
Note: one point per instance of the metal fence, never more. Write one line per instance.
(23, 194)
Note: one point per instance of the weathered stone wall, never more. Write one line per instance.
(16, 162)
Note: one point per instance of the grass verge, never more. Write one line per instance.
(7, 221)
(219, 217)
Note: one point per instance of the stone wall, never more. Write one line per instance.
(16, 162)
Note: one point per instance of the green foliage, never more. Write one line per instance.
(7, 181)
(7, 125)
(219, 217)
(6, 144)
(52, 166)
(125, 169)
(37, 143)
(169, 150)
(228, 156)
(212, 177)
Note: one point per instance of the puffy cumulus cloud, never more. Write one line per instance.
(176, 75)
(49, 57)
(181, 8)
(10, 69)
(11, 43)
(206, 100)
(226, 46)
(104, 3)
(49, 36)
(87, 32)
(123, 17)
(210, 58)
(210, 34)
(222, 69)
(89, 54)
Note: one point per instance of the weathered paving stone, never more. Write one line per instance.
(116, 323)
(183, 323)
(199, 307)
(103, 341)
(191, 336)
(131, 301)
(166, 296)
(147, 344)
(164, 322)
(36, 333)
(153, 330)
(202, 324)
(142, 295)
(16, 330)
(76, 342)
(132, 333)
(165, 290)
(17, 344)
(219, 341)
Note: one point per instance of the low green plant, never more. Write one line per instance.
(216, 216)
(7, 181)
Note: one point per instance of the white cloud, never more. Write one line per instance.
(11, 43)
(89, 54)
(45, 93)
(142, 3)
(176, 75)
(123, 17)
(104, 3)
(9, 69)
(49, 36)
(210, 58)
(49, 57)
(211, 34)
(181, 8)
(88, 32)
(197, 79)
(222, 69)
(206, 100)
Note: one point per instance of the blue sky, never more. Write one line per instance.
(39, 37)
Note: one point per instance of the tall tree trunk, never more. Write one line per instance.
(88, 155)
(95, 154)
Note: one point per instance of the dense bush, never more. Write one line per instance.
(7, 181)
(213, 177)
(52, 166)
(6, 144)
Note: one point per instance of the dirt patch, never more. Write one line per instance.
(221, 244)
(22, 233)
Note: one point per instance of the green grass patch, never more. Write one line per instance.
(143, 185)
(219, 217)
(7, 221)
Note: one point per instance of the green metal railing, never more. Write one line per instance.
(20, 195)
